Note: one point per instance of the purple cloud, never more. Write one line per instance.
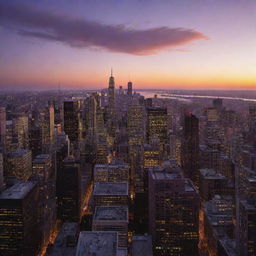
(83, 33)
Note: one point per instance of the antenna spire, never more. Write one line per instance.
(111, 71)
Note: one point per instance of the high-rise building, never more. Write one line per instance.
(142, 245)
(71, 120)
(217, 103)
(69, 190)
(135, 125)
(157, 125)
(112, 218)
(65, 243)
(111, 172)
(173, 214)
(47, 125)
(111, 95)
(247, 228)
(35, 140)
(1, 172)
(98, 243)
(20, 129)
(2, 126)
(44, 174)
(111, 114)
(19, 164)
(190, 147)
(151, 156)
(18, 220)
(218, 218)
(110, 193)
(129, 88)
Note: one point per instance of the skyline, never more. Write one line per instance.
(190, 45)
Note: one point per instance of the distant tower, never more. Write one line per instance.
(129, 90)
(111, 105)
(111, 94)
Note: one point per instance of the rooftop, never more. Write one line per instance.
(111, 213)
(41, 159)
(109, 166)
(111, 188)
(18, 191)
(211, 174)
(67, 236)
(229, 246)
(142, 246)
(18, 153)
(97, 243)
(162, 175)
(249, 204)
(122, 252)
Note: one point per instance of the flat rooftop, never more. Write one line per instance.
(41, 159)
(68, 234)
(18, 153)
(142, 246)
(249, 205)
(122, 252)
(111, 188)
(110, 166)
(162, 175)
(211, 174)
(18, 190)
(97, 243)
(111, 213)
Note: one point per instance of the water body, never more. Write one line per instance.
(163, 94)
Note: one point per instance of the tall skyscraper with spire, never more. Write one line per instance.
(111, 104)
(111, 93)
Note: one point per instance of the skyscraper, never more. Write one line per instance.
(1, 171)
(247, 228)
(69, 194)
(111, 106)
(111, 94)
(18, 220)
(71, 121)
(44, 174)
(2, 126)
(173, 214)
(157, 125)
(190, 147)
(19, 164)
(129, 88)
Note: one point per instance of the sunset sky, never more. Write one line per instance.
(168, 44)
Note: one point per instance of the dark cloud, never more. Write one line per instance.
(83, 33)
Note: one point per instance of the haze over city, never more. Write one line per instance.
(199, 44)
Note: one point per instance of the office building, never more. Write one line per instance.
(66, 241)
(112, 218)
(157, 125)
(44, 174)
(116, 172)
(142, 245)
(173, 214)
(98, 243)
(19, 164)
(18, 220)
(69, 191)
(190, 147)
(247, 228)
(71, 120)
(110, 193)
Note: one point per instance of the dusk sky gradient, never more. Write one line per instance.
(167, 44)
